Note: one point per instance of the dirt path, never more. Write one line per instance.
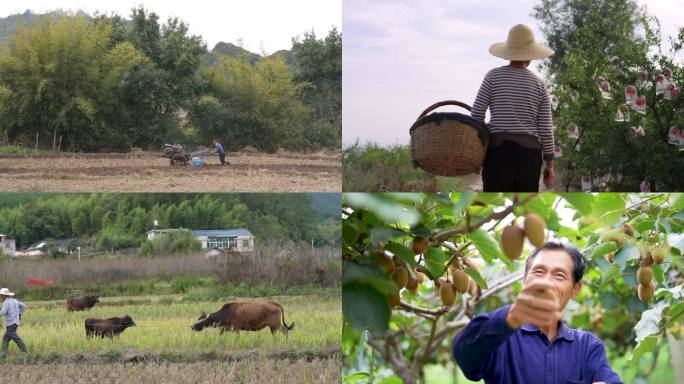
(247, 172)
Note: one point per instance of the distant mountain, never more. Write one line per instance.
(327, 205)
(8, 27)
(235, 51)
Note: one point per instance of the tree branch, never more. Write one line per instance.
(423, 311)
(439, 237)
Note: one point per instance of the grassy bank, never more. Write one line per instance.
(372, 168)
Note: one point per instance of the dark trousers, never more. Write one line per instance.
(222, 157)
(511, 168)
(11, 334)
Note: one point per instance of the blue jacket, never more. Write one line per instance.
(487, 348)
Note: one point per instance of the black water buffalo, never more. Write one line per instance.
(246, 316)
(82, 303)
(107, 327)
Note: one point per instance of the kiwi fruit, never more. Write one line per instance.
(382, 259)
(627, 229)
(512, 240)
(419, 245)
(446, 293)
(421, 277)
(461, 280)
(473, 288)
(615, 235)
(648, 259)
(546, 294)
(534, 229)
(394, 299)
(400, 276)
(659, 254)
(645, 275)
(645, 292)
(412, 284)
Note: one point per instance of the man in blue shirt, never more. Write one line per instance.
(527, 342)
(11, 310)
(220, 152)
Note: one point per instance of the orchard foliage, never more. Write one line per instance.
(621, 141)
(455, 239)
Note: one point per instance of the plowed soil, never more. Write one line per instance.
(145, 172)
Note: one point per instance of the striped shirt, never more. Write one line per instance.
(520, 107)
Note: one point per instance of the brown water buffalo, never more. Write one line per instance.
(82, 303)
(107, 327)
(246, 316)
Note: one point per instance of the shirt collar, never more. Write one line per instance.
(563, 331)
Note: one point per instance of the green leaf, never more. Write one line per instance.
(644, 225)
(435, 261)
(405, 254)
(609, 299)
(476, 277)
(350, 231)
(677, 201)
(421, 230)
(462, 201)
(485, 244)
(647, 345)
(626, 253)
(604, 248)
(384, 234)
(365, 308)
(609, 207)
(370, 275)
(394, 379)
(386, 209)
(354, 377)
(676, 310)
(583, 202)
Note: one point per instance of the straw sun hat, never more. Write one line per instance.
(6, 292)
(520, 46)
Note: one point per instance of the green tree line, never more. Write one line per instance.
(122, 220)
(106, 83)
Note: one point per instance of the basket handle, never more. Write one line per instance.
(441, 104)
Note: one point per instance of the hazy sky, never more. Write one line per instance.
(402, 56)
(270, 24)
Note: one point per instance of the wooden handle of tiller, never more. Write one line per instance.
(441, 104)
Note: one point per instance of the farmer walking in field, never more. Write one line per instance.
(527, 342)
(520, 127)
(12, 310)
(220, 152)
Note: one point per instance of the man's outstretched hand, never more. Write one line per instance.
(536, 304)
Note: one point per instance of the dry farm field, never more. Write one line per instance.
(150, 172)
(255, 371)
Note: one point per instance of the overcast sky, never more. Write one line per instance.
(402, 56)
(270, 24)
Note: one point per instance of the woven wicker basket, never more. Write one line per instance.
(448, 143)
